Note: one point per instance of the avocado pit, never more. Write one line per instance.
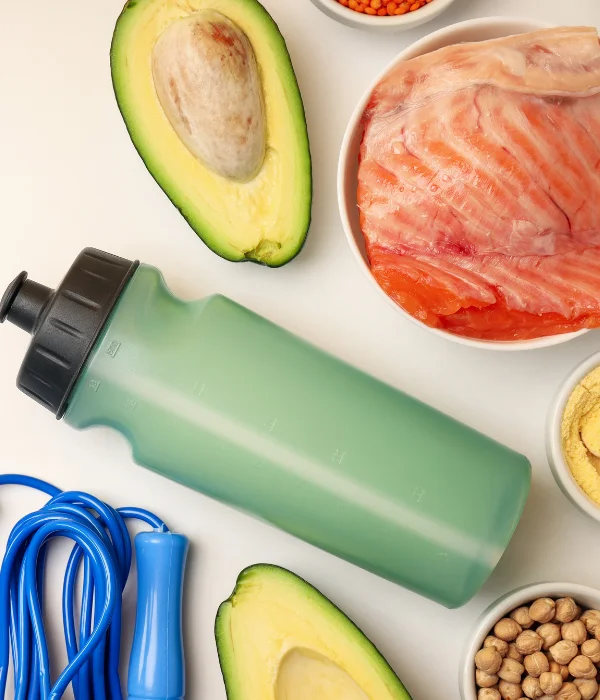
(207, 81)
(305, 674)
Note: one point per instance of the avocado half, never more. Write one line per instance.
(279, 638)
(263, 216)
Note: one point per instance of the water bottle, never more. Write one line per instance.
(220, 399)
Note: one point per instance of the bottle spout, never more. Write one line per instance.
(64, 323)
(24, 302)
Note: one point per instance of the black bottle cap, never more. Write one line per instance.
(64, 323)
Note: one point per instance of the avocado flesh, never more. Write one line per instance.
(265, 219)
(279, 638)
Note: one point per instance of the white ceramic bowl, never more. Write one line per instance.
(560, 468)
(385, 24)
(472, 30)
(584, 595)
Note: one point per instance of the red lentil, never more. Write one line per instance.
(384, 8)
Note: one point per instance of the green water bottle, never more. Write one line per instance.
(220, 399)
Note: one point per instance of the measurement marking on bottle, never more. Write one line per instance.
(130, 405)
(443, 556)
(418, 494)
(94, 385)
(199, 388)
(113, 348)
(338, 456)
(269, 424)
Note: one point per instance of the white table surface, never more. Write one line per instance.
(70, 178)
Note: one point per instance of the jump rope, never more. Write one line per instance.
(91, 612)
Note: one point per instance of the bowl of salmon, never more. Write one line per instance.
(469, 183)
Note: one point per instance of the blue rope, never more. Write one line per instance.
(103, 549)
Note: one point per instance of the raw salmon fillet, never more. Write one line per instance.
(479, 185)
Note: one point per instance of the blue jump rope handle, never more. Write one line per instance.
(156, 664)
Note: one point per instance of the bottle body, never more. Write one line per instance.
(219, 399)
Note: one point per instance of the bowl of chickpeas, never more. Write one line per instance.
(540, 642)
(384, 15)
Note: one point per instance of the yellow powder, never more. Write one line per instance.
(580, 434)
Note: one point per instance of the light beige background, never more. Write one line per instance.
(69, 178)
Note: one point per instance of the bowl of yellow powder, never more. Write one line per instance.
(573, 437)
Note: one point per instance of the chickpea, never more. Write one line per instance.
(591, 620)
(507, 630)
(511, 671)
(542, 610)
(550, 634)
(485, 680)
(564, 652)
(531, 687)
(582, 667)
(568, 692)
(498, 644)
(514, 653)
(551, 683)
(488, 660)
(488, 694)
(588, 689)
(566, 610)
(591, 649)
(510, 691)
(536, 664)
(574, 632)
(522, 618)
(529, 642)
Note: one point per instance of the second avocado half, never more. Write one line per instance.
(279, 638)
(208, 93)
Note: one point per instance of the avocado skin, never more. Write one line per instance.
(289, 578)
(208, 236)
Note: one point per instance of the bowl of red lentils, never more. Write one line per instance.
(392, 15)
